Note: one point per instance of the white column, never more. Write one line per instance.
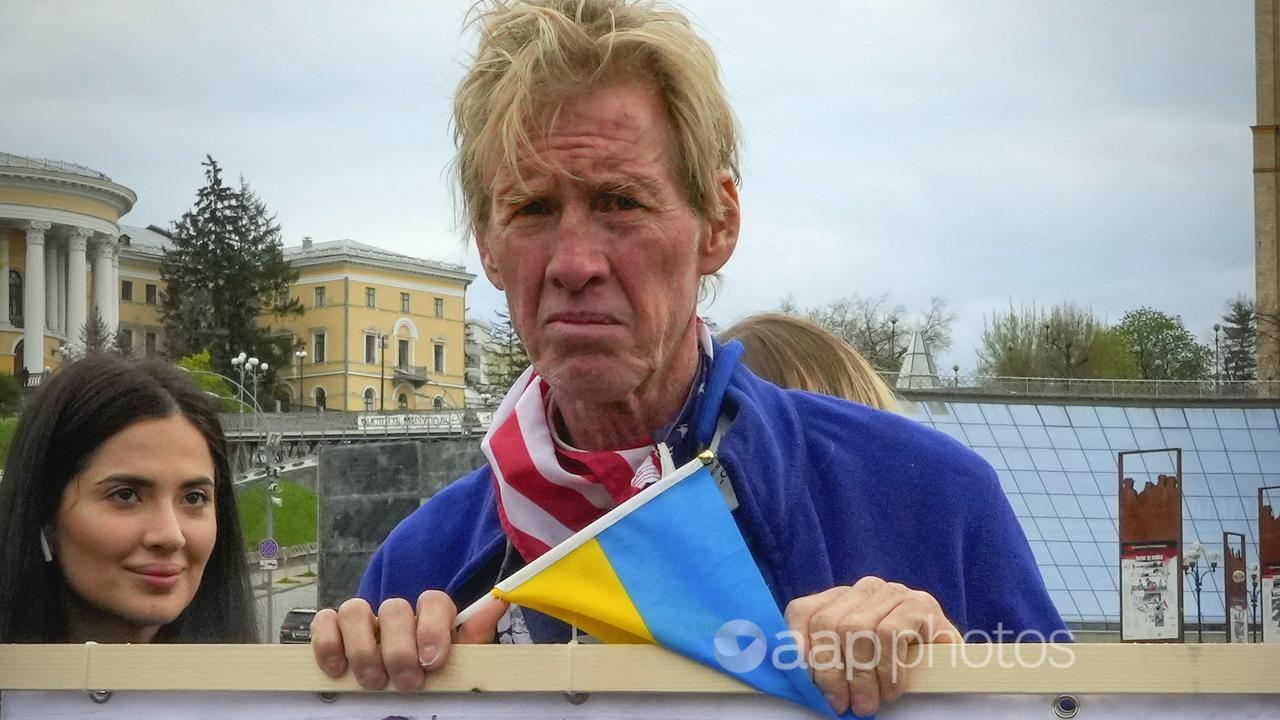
(114, 323)
(77, 282)
(5, 267)
(61, 317)
(103, 292)
(33, 298)
(50, 283)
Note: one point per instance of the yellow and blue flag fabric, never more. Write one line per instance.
(670, 567)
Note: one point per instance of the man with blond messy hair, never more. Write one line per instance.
(598, 162)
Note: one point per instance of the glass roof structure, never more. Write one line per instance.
(1057, 465)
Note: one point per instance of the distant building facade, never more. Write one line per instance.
(59, 247)
(380, 330)
(1266, 194)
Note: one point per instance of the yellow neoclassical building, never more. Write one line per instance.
(380, 330)
(59, 242)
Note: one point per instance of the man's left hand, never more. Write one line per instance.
(855, 639)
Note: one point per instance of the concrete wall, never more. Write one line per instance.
(366, 489)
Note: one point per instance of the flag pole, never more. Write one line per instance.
(581, 537)
(486, 600)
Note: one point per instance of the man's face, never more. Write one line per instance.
(598, 251)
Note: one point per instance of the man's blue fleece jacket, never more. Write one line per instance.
(829, 492)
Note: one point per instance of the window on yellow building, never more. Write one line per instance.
(126, 290)
(371, 348)
(404, 303)
(437, 357)
(403, 401)
(317, 348)
(126, 341)
(402, 353)
(151, 294)
(439, 303)
(370, 297)
(150, 344)
(322, 399)
(319, 297)
(369, 398)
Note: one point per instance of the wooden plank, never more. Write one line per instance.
(43, 667)
(1011, 668)
(203, 705)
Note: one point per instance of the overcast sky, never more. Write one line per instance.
(987, 151)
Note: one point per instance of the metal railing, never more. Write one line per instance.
(8, 160)
(411, 373)
(1087, 387)
(336, 423)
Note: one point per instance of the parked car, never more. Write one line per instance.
(296, 627)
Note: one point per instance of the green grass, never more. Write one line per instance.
(7, 426)
(294, 522)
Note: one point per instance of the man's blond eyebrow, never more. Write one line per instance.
(629, 184)
(518, 193)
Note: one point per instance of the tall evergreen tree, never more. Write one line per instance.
(506, 357)
(1238, 348)
(95, 336)
(223, 273)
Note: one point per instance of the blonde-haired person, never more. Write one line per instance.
(598, 164)
(792, 352)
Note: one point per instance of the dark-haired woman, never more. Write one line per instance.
(117, 517)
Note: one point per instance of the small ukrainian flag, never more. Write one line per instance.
(670, 567)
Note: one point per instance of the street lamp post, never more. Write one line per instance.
(1217, 362)
(255, 369)
(267, 457)
(239, 362)
(382, 372)
(956, 369)
(302, 388)
(1196, 574)
(273, 500)
(893, 338)
(1255, 588)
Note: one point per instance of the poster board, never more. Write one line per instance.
(1269, 564)
(1235, 595)
(1148, 585)
(618, 681)
(1150, 534)
(1269, 604)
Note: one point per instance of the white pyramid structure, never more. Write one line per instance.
(917, 365)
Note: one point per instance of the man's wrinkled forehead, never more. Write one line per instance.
(595, 147)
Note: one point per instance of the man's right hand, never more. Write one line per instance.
(396, 644)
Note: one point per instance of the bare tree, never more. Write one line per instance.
(879, 328)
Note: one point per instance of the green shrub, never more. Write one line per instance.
(293, 521)
(7, 426)
(10, 395)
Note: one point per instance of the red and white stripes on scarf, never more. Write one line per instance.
(547, 490)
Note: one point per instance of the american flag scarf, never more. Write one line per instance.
(548, 490)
